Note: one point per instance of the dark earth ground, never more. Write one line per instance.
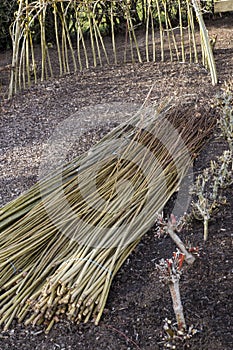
(137, 303)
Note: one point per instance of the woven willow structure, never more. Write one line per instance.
(85, 34)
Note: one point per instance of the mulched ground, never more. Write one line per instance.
(137, 303)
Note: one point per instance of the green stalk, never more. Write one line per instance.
(174, 40)
(66, 65)
(34, 65)
(207, 50)
(26, 29)
(15, 35)
(181, 31)
(167, 28)
(161, 30)
(99, 36)
(189, 31)
(153, 35)
(147, 30)
(57, 37)
(21, 70)
(113, 34)
(131, 30)
(64, 13)
(193, 33)
(43, 39)
(91, 35)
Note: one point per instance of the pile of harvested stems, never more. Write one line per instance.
(62, 242)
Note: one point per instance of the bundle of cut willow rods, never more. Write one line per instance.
(62, 242)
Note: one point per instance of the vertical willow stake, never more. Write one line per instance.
(102, 43)
(78, 48)
(63, 51)
(49, 62)
(131, 32)
(181, 31)
(193, 31)
(160, 30)
(128, 33)
(21, 70)
(57, 38)
(97, 42)
(88, 14)
(153, 35)
(95, 27)
(91, 35)
(174, 40)
(126, 42)
(68, 35)
(26, 29)
(80, 34)
(98, 37)
(78, 37)
(167, 28)
(135, 39)
(64, 38)
(205, 39)
(147, 30)
(43, 39)
(34, 65)
(15, 35)
(113, 34)
(189, 31)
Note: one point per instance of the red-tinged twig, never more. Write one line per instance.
(189, 258)
(170, 271)
(171, 227)
(123, 335)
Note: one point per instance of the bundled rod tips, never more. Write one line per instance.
(64, 263)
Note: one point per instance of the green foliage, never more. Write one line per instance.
(7, 10)
(102, 12)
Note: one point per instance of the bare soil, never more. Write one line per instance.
(137, 303)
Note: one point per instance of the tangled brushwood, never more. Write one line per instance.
(62, 242)
(209, 185)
